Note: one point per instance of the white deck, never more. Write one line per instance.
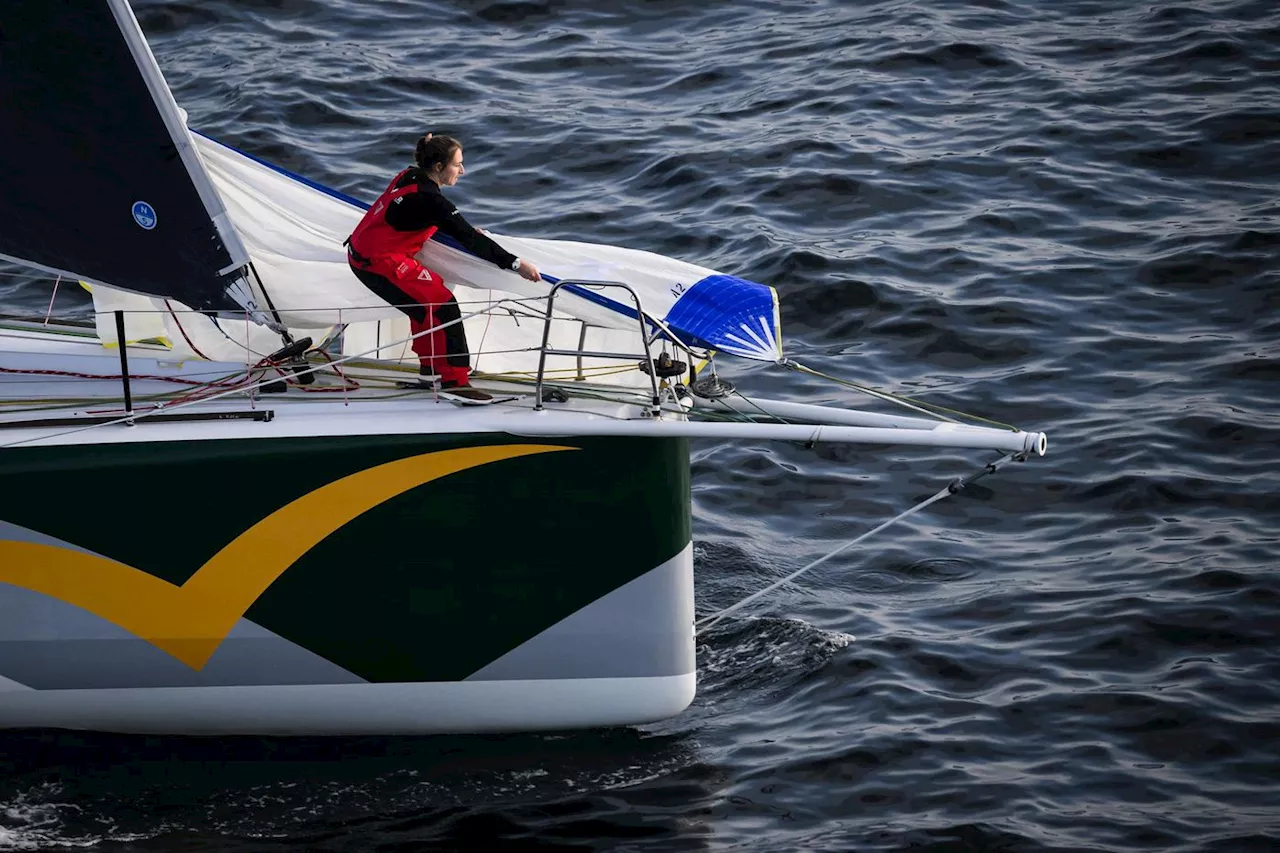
(53, 374)
(84, 384)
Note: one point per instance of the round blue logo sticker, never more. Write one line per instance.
(144, 214)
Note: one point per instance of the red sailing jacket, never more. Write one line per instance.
(374, 238)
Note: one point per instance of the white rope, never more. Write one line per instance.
(49, 311)
(951, 488)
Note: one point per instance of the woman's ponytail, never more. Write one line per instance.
(431, 150)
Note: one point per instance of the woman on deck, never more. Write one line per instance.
(381, 253)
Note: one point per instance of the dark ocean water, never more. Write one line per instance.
(1063, 215)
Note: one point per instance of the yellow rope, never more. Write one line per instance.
(934, 408)
(567, 371)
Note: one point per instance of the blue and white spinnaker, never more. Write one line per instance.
(294, 230)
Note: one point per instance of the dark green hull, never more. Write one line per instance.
(352, 560)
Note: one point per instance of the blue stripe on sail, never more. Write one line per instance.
(439, 237)
(714, 310)
(626, 309)
(329, 191)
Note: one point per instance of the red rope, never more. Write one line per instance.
(183, 331)
(221, 383)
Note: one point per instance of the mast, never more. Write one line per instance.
(175, 124)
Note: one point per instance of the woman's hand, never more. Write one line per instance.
(529, 271)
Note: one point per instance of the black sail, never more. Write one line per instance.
(97, 176)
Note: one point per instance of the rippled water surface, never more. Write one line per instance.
(1064, 216)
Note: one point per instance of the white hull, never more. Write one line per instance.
(367, 709)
